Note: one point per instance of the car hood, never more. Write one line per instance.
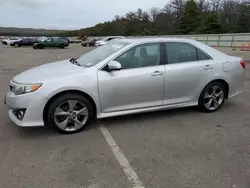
(48, 71)
(98, 41)
(10, 41)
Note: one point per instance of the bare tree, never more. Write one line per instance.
(145, 16)
(203, 5)
(216, 5)
(153, 13)
(139, 13)
(177, 6)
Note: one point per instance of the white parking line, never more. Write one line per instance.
(58, 57)
(127, 168)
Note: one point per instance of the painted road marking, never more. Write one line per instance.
(127, 168)
(58, 57)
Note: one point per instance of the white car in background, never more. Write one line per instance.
(41, 38)
(106, 40)
(10, 40)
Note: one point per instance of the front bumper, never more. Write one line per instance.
(34, 105)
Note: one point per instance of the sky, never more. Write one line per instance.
(67, 14)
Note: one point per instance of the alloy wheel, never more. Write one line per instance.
(71, 115)
(214, 98)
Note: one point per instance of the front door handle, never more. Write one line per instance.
(157, 73)
(207, 67)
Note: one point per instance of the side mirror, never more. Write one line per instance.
(114, 65)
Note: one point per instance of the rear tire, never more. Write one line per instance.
(16, 45)
(61, 46)
(212, 97)
(64, 113)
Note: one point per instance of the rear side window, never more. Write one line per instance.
(202, 55)
(178, 52)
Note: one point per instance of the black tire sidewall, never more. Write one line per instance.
(41, 46)
(61, 46)
(58, 100)
(201, 98)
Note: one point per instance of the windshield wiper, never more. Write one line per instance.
(74, 61)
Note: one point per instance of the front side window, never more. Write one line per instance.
(48, 40)
(178, 52)
(140, 56)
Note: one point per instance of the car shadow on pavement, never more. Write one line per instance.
(148, 116)
(32, 132)
(45, 131)
(228, 106)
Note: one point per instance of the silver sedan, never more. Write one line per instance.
(125, 76)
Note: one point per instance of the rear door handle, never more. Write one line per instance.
(157, 73)
(207, 67)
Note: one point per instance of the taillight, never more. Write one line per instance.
(243, 64)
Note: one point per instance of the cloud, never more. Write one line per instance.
(29, 4)
(65, 14)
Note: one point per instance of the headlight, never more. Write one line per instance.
(19, 89)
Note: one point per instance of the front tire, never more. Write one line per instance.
(212, 97)
(40, 46)
(69, 113)
(16, 45)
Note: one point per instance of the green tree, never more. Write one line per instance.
(243, 24)
(190, 18)
(211, 23)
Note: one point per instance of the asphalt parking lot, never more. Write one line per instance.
(181, 148)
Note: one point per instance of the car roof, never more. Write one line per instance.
(156, 39)
(211, 51)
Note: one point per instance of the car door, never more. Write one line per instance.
(55, 42)
(48, 42)
(139, 84)
(187, 70)
(26, 42)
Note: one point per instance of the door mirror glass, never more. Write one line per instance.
(114, 65)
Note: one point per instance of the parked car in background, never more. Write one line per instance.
(90, 42)
(65, 38)
(41, 38)
(125, 76)
(8, 41)
(107, 39)
(23, 42)
(51, 42)
(74, 40)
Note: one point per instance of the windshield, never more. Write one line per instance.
(97, 55)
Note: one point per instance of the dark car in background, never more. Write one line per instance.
(51, 42)
(65, 38)
(89, 42)
(23, 42)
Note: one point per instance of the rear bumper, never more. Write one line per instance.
(236, 85)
